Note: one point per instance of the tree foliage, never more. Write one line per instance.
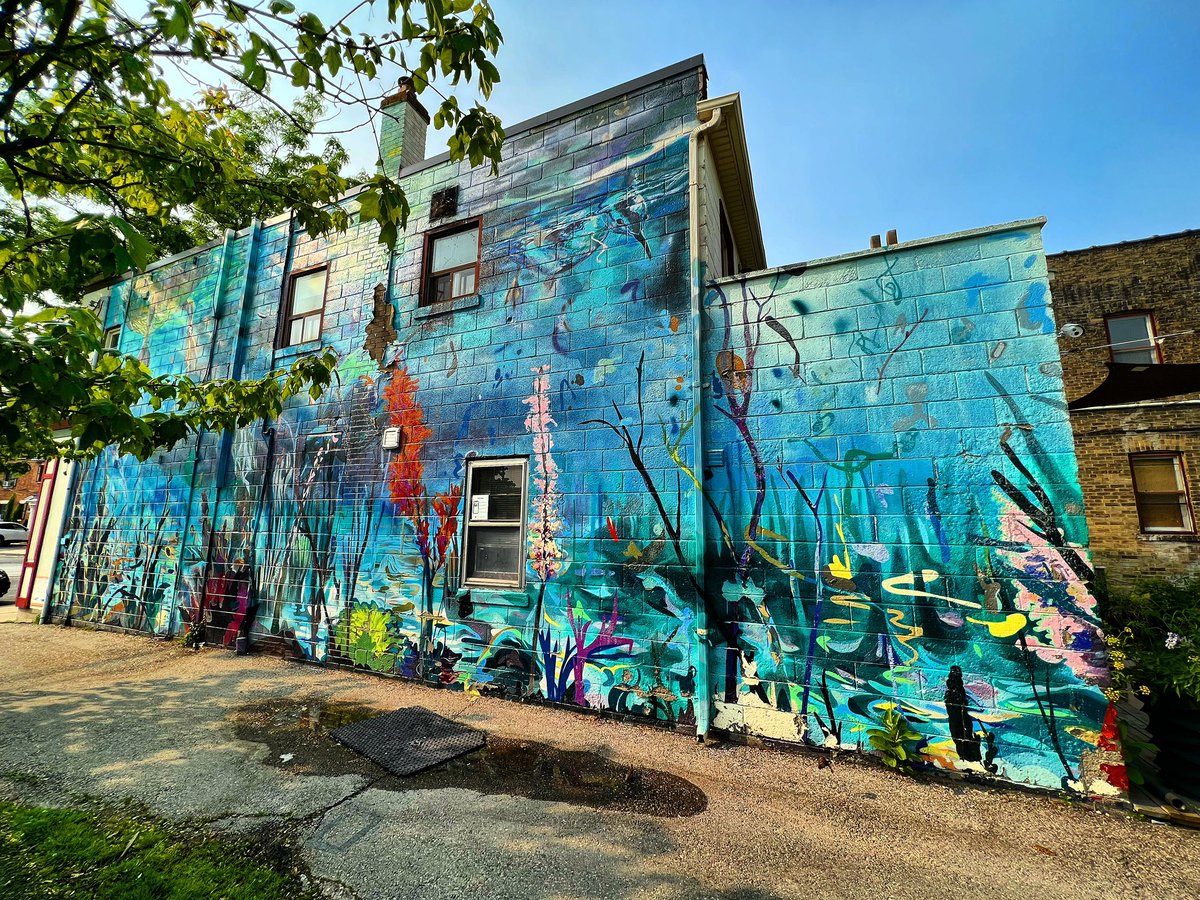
(103, 164)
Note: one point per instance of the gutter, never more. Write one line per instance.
(703, 682)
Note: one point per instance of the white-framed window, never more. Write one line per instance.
(495, 522)
(112, 337)
(1131, 339)
(1160, 488)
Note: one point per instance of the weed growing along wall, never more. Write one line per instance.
(896, 524)
(891, 523)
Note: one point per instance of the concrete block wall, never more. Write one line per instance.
(890, 459)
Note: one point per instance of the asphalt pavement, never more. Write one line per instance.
(231, 741)
(11, 558)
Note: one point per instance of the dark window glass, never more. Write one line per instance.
(495, 521)
(1161, 492)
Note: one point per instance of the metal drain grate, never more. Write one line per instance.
(409, 740)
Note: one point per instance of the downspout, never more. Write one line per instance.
(218, 317)
(703, 683)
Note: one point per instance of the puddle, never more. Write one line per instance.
(299, 731)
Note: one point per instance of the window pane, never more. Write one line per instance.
(1153, 475)
(455, 250)
(499, 485)
(494, 553)
(1129, 333)
(308, 293)
(312, 328)
(296, 331)
(440, 288)
(1167, 514)
(464, 282)
(1135, 357)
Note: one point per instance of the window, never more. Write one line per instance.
(112, 337)
(452, 263)
(1161, 490)
(305, 307)
(728, 262)
(1132, 339)
(495, 528)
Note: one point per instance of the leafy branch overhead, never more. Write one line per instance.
(123, 137)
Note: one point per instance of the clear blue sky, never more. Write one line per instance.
(927, 117)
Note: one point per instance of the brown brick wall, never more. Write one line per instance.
(1162, 276)
(26, 484)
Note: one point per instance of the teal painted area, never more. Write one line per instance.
(857, 418)
(891, 466)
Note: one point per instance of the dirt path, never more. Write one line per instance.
(552, 811)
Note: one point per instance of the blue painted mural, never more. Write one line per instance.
(884, 526)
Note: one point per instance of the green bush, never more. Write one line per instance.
(1153, 637)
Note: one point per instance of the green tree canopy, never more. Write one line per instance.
(102, 165)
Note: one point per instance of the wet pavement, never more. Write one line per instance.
(557, 805)
(298, 733)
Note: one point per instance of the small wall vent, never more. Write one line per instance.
(444, 203)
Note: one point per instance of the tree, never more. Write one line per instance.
(100, 164)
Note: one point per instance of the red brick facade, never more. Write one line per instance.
(1160, 277)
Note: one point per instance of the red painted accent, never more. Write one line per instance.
(612, 529)
(33, 550)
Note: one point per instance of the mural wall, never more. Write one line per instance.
(892, 521)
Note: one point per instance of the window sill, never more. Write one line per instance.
(1157, 537)
(297, 350)
(447, 307)
(495, 596)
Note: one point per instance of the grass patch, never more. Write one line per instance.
(75, 853)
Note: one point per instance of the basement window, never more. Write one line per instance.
(304, 309)
(1160, 487)
(452, 262)
(495, 523)
(1132, 339)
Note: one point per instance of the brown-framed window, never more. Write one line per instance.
(1160, 487)
(112, 337)
(1132, 338)
(495, 522)
(728, 255)
(304, 308)
(452, 262)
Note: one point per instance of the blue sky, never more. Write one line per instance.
(927, 117)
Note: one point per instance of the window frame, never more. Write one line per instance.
(286, 319)
(113, 331)
(1151, 325)
(1184, 494)
(425, 295)
(466, 581)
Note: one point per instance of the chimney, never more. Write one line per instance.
(402, 131)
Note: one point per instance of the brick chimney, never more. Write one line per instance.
(402, 132)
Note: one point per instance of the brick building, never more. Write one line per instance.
(585, 448)
(1137, 431)
(24, 488)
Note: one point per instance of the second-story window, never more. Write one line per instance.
(1132, 339)
(1160, 487)
(112, 337)
(451, 263)
(305, 307)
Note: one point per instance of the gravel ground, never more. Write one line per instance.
(127, 718)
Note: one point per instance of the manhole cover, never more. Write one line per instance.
(409, 740)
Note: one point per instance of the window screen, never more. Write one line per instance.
(1161, 491)
(1132, 339)
(495, 514)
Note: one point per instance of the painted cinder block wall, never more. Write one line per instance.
(833, 394)
(896, 519)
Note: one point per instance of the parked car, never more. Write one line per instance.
(12, 531)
